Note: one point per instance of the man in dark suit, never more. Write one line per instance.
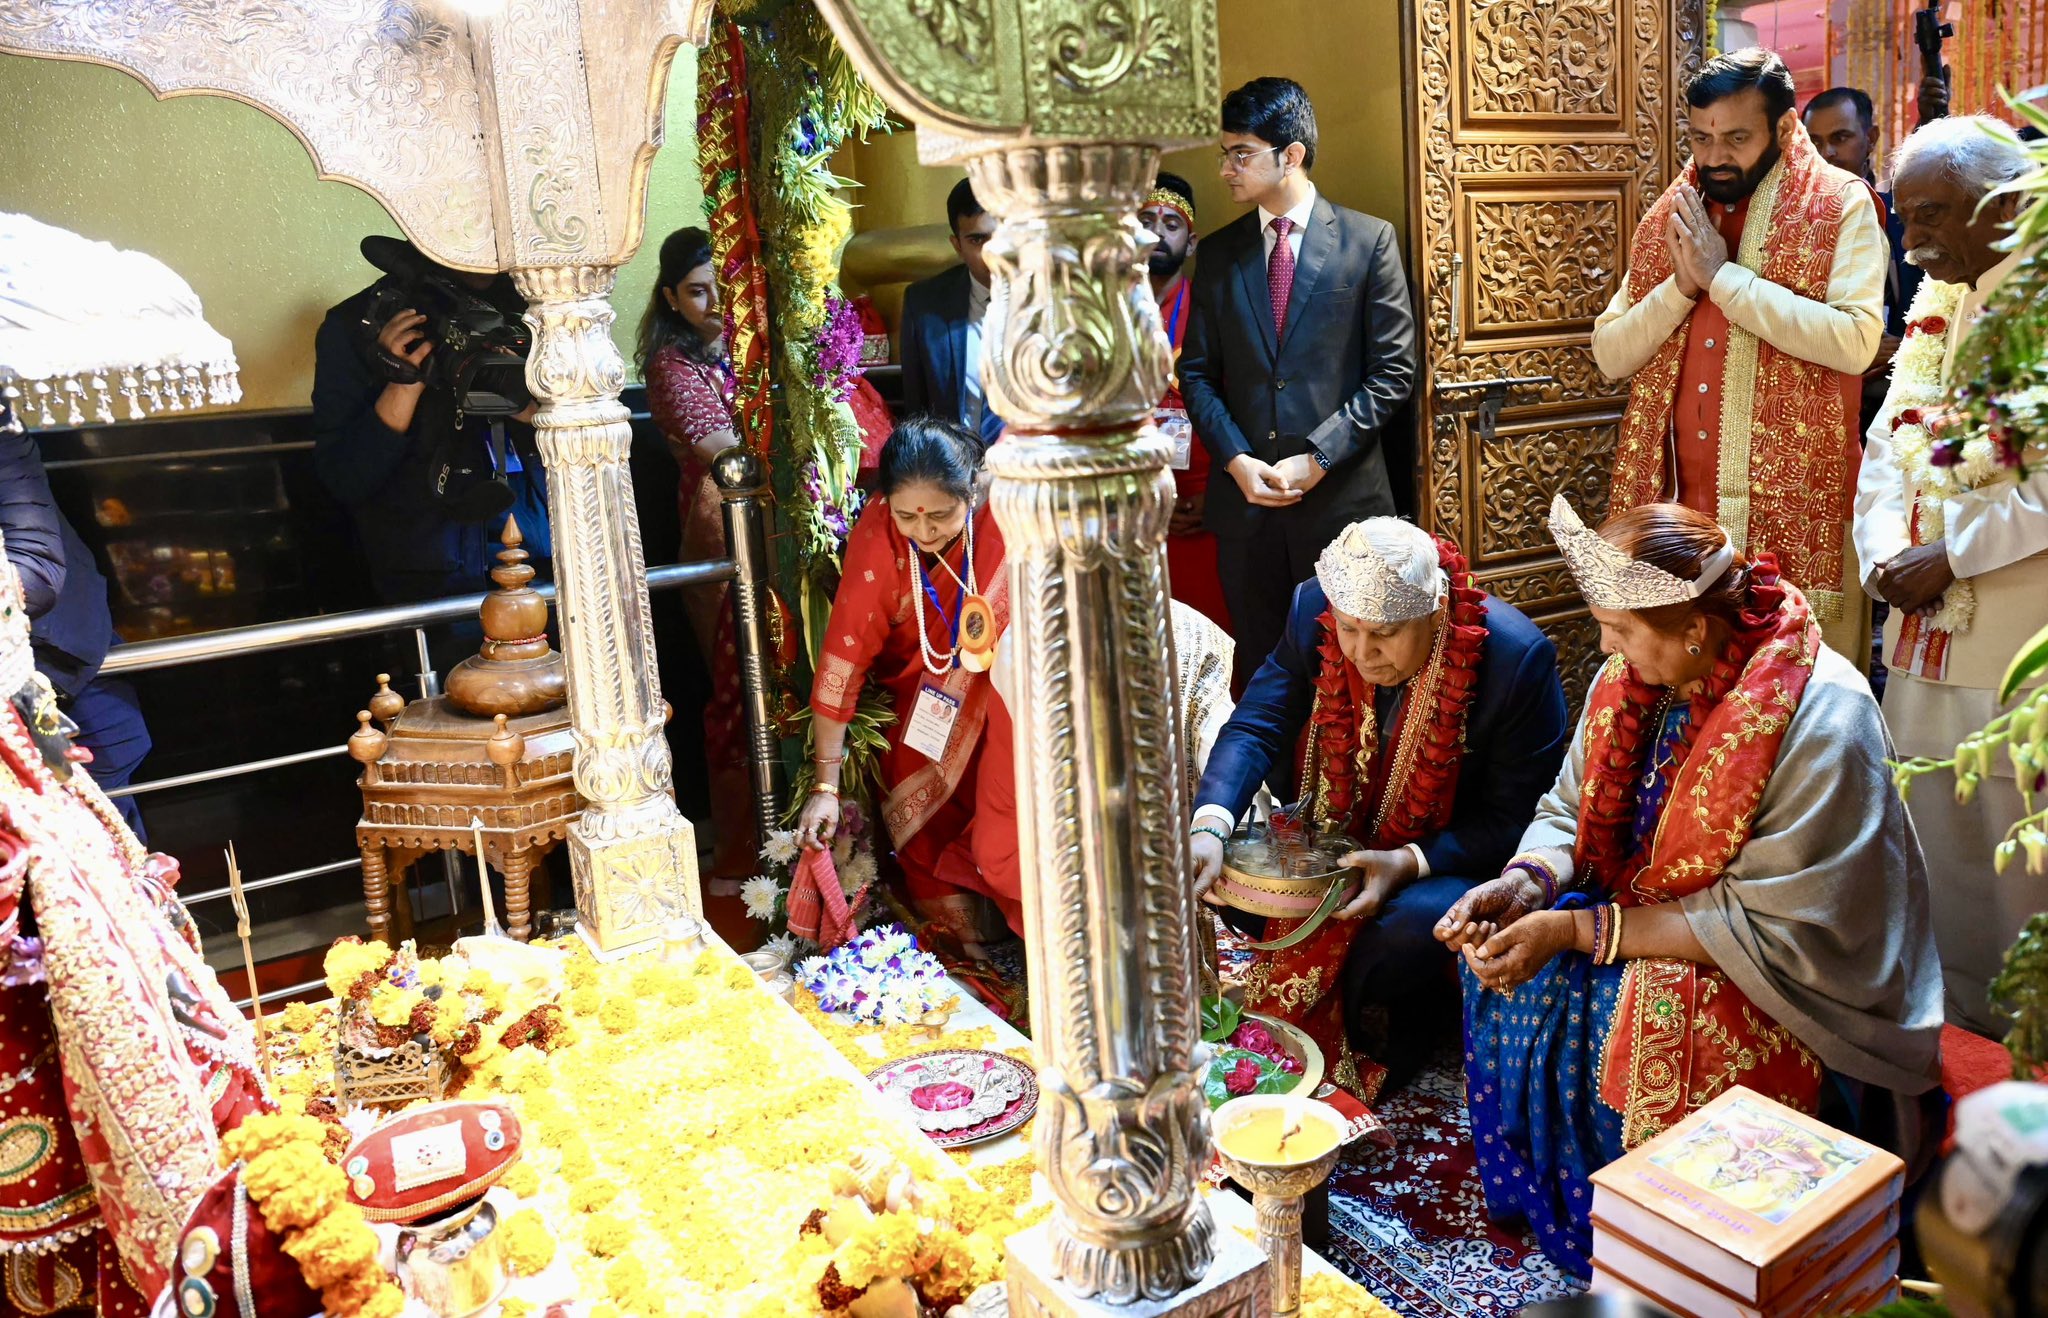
(1300, 346)
(71, 625)
(1436, 723)
(942, 319)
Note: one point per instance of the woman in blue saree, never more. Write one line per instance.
(1721, 888)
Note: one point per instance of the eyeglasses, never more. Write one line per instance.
(1230, 159)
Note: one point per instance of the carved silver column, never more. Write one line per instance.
(633, 855)
(1076, 363)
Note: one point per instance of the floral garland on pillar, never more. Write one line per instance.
(724, 157)
(777, 97)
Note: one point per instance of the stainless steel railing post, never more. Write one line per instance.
(744, 495)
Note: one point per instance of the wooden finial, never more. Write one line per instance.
(387, 704)
(506, 747)
(366, 745)
(511, 538)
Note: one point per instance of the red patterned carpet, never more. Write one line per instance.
(1410, 1224)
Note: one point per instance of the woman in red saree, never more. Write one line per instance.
(1720, 890)
(923, 597)
(689, 394)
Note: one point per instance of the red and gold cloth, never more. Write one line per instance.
(933, 810)
(1190, 555)
(1387, 791)
(1784, 437)
(1683, 1032)
(129, 1056)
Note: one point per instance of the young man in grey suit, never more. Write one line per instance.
(1300, 346)
(942, 319)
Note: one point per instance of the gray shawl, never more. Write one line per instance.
(1822, 918)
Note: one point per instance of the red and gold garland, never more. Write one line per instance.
(1342, 744)
(725, 159)
(1604, 860)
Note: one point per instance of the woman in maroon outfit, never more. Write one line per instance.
(690, 389)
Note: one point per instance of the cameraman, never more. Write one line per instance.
(427, 483)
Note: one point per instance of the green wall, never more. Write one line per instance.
(225, 195)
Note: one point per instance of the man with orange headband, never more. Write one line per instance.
(1169, 214)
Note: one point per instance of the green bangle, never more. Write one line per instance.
(1212, 831)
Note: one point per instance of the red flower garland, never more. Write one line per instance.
(1430, 784)
(1602, 857)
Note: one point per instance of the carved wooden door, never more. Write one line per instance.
(1543, 129)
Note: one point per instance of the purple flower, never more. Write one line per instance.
(1945, 454)
(838, 346)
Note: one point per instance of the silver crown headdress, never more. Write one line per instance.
(1610, 579)
(1359, 582)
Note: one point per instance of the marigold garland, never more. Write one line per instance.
(529, 1245)
(304, 1199)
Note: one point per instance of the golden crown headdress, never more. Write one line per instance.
(1610, 579)
(1359, 582)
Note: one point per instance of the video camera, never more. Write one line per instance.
(480, 347)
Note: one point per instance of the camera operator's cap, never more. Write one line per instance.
(430, 1159)
(394, 256)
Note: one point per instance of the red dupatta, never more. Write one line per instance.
(1683, 1032)
(873, 633)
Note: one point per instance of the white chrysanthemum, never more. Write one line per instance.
(857, 873)
(759, 893)
(782, 945)
(781, 848)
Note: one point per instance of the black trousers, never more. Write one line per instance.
(1400, 987)
(1259, 572)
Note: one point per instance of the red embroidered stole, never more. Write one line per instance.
(1785, 479)
(1684, 1032)
(1389, 792)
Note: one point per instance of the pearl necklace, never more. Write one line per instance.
(939, 662)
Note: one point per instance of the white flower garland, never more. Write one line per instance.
(880, 977)
(1917, 386)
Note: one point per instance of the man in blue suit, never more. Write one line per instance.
(942, 318)
(71, 625)
(1429, 719)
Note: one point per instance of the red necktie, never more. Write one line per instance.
(1280, 273)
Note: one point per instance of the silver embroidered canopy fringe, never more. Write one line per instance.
(1362, 584)
(1610, 579)
(82, 321)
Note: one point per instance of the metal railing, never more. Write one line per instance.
(739, 479)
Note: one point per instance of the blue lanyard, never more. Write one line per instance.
(931, 593)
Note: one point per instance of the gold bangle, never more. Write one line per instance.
(1613, 935)
(824, 789)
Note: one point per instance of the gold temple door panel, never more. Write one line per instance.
(1541, 132)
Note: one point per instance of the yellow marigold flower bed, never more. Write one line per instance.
(676, 1149)
(1327, 1295)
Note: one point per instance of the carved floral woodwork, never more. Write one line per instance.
(1533, 60)
(1545, 131)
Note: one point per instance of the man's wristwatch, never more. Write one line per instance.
(1322, 459)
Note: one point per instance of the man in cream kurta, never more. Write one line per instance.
(1994, 537)
(1753, 304)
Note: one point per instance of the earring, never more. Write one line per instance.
(1693, 650)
